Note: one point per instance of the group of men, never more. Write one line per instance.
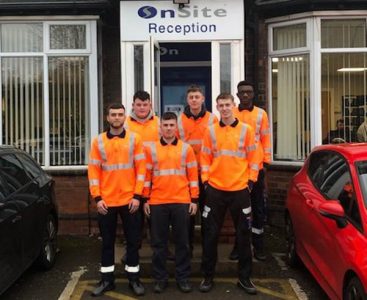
(170, 168)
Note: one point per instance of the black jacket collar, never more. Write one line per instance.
(163, 142)
(188, 113)
(121, 135)
(234, 124)
(242, 107)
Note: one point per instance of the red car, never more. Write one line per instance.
(326, 219)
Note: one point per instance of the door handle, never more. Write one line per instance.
(16, 219)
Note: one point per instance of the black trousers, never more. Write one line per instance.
(162, 216)
(132, 230)
(258, 213)
(193, 218)
(217, 203)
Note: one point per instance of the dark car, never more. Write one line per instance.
(28, 215)
(326, 219)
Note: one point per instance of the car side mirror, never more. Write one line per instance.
(332, 209)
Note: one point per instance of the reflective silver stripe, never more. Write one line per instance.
(257, 230)
(101, 148)
(140, 177)
(194, 142)
(254, 167)
(131, 147)
(147, 184)
(247, 210)
(185, 147)
(267, 150)
(205, 168)
(154, 154)
(148, 144)
(239, 154)
(132, 269)
(192, 164)
(94, 182)
(241, 143)
(116, 167)
(139, 156)
(206, 150)
(213, 137)
(181, 131)
(251, 148)
(149, 166)
(211, 119)
(169, 172)
(107, 269)
(258, 125)
(265, 131)
(194, 184)
(94, 162)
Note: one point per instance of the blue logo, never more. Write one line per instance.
(147, 12)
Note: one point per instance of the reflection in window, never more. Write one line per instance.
(344, 96)
(139, 67)
(21, 37)
(68, 37)
(289, 37)
(13, 172)
(291, 105)
(343, 33)
(69, 121)
(22, 104)
(225, 67)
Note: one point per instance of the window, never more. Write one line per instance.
(51, 123)
(290, 78)
(318, 83)
(225, 67)
(13, 172)
(330, 173)
(29, 165)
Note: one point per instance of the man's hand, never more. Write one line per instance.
(102, 208)
(250, 185)
(134, 205)
(192, 209)
(147, 209)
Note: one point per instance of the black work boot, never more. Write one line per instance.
(137, 287)
(103, 286)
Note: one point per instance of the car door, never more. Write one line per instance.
(327, 247)
(10, 239)
(26, 195)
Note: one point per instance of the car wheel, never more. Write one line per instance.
(47, 255)
(292, 256)
(354, 290)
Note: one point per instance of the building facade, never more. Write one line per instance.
(63, 62)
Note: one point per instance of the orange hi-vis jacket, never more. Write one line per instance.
(172, 173)
(148, 130)
(258, 120)
(192, 130)
(228, 156)
(116, 169)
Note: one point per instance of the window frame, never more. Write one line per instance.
(313, 48)
(90, 52)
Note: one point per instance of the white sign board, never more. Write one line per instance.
(165, 21)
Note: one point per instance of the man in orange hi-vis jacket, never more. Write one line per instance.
(191, 126)
(257, 118)
(116, 173)
(229, 167)
(171, 187)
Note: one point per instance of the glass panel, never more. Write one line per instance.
(225, 68)
(343, 33)
(289, 37)
(68, 37)
(69, 107)
(344, 97)
(138, 68)
(22, 104)
(21, 37)
(291, 107)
